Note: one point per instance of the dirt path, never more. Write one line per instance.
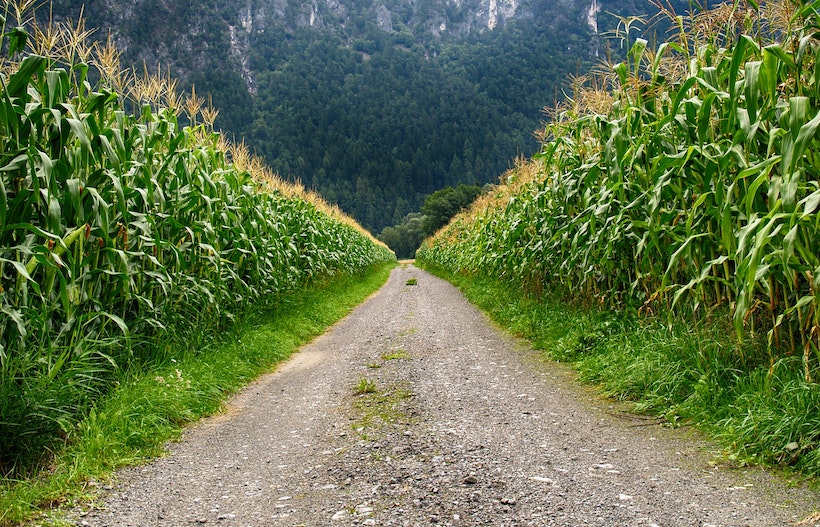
(466, 427)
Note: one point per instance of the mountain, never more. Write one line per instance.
(375, 104)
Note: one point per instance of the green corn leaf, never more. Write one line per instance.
(752, 85)
(20, 267)
(798, 114)
(79, 131)
(3, 207)
(811, 204)
(788, 246)
(55, 213)
(769, 75)
(16, 317)
(58, 87)
(25, 73)
(776, 50)
(623, 72)
(738, 58)
(805, 136)
(762, 172)
(708, 78)
(120, 323)
(637, 52)
(17, 39)
(17, 163)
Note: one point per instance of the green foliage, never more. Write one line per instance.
(445, 203)
(684, 181)
(405, 237)
(377, 135)
(396, 355)
(124, 235)
(365, 386)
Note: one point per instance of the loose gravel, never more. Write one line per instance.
(416, 411)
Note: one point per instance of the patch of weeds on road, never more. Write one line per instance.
(377, 410)
(395, 355)
(374, 365)
(412, 281)
(365, 386)
(56, 522)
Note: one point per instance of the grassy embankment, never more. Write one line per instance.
(130, 238)
(669, 231)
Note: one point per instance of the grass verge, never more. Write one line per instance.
(150, 407)
(694, 373)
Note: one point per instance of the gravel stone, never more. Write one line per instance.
(468, 426)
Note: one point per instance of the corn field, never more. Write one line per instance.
(683, 179)
(122, 231)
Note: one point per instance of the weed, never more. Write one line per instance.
(365, 386)
(399, 354)
(381, 409)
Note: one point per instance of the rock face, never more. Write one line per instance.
(159, 28)
(436, 17)
(192, 36)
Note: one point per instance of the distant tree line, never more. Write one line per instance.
(439, 207)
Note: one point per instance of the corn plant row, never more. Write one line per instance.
(122, 231)
(683, 178)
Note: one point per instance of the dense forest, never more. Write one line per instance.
(378, 134)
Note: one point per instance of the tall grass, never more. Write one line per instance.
(681, 180)
(122, 233)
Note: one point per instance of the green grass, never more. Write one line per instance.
(395, 355)
(150, 407)
(686, 372)
(365, 386)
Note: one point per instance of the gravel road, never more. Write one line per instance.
(466, 426)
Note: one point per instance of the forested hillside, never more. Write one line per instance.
(374, 105)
